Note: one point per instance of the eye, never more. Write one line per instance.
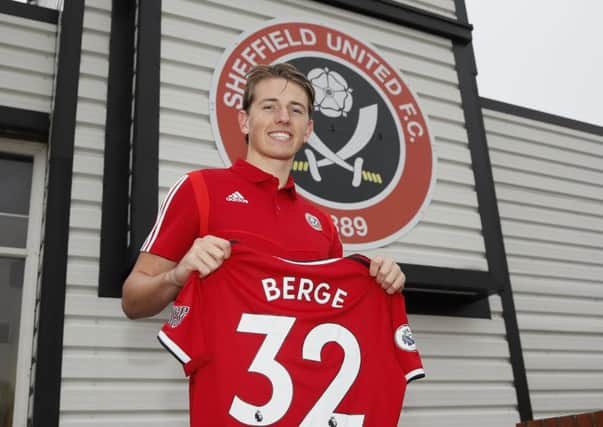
(268, 107)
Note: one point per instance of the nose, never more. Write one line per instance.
(282, 115)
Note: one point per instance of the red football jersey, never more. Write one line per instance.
(267, 341)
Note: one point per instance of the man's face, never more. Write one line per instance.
(277, 123)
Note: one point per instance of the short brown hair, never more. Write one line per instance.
(282, 70)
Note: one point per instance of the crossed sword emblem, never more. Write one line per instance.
(365, 128)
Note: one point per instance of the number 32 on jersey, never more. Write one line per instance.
(276, 329)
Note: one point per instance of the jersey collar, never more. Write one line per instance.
(256, 175)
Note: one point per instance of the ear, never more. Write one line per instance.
(243, 121)
(309, 130)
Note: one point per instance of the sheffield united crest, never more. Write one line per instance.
(370, 162)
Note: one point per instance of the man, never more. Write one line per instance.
(207, 209)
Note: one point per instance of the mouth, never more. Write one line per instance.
(280, 135)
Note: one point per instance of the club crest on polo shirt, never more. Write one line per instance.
(178, 314)
(313, 221)
(404, 339)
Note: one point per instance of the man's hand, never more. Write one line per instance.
(154, 281)
(205, 255)
(387, 273)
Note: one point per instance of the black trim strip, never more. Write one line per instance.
(416, 377)
(461, 12)
(516, 110)
(51, 317)
(24, 124)
(408, 16)
(173, 353)
(488, 208)
(145, 150)
(29, 11)
(453, 304)
(113, 262)
(449, 279)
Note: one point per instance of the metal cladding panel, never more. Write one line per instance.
(85, 221)
(439, 7)
(194, 38)
(469, 378)
(28, 52)
(549, 185)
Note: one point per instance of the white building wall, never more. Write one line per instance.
(27, 49)
(549, 186)
(89, 343)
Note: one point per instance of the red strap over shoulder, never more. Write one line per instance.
(202, 199)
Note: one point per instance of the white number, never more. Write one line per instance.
(360, 226)
(325, 407)
(276, 329)
(349, 226)
(345, 226)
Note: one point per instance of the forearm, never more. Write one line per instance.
(146, 295)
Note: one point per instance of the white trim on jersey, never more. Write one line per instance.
(319, 262)
(415, 375)
(161, 215)
(173, 348)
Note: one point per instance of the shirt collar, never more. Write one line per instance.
(254, 174)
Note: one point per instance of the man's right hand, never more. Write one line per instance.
(155, 281)
(205, 256)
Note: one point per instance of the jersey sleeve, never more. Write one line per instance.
(182, 333)
(177, 223)
(405, 345)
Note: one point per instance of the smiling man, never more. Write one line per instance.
(253, 202)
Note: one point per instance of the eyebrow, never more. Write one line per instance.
(261, 101)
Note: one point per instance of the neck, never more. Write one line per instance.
(281, 169)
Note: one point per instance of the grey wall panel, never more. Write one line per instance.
(549, 184)
(85, 219)
(27, 68)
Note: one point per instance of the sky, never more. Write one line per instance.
(546, 55)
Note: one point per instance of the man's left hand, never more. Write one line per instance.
(387, 273)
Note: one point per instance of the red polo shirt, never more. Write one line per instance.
(241, 203)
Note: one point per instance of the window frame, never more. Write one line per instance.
(38, 153)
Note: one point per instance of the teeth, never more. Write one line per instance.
(280, 135)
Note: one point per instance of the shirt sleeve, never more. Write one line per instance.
(405, 344)
(177, 223)
(182, 333)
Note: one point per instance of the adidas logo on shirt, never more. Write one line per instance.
(236, 197)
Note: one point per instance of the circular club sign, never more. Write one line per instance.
(370, 162)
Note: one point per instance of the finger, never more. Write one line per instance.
(391, 277)
(388, 268)
(397, 284)
(225, 246)
(209, 261)
(216, 252)
(204, 248)
(375, 265)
